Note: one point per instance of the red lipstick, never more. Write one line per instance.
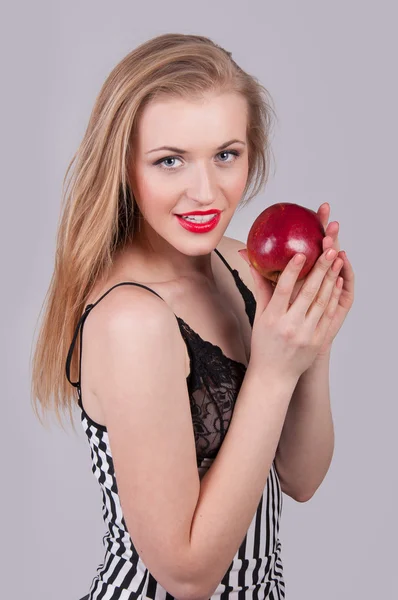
(200, 227)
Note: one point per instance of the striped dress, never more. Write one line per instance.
(256, 571)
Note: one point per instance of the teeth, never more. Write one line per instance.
(199, 219)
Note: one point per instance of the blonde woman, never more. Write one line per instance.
(188, 366)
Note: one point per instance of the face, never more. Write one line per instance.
(205, 167)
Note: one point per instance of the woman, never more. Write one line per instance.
(188, 366)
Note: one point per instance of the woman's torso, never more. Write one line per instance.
(216, 323)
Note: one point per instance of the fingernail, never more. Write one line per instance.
(299, 259)
(331, 253)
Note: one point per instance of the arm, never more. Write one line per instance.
(179, 524)
(231, 489)
(306, 445)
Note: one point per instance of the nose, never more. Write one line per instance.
(202, 186)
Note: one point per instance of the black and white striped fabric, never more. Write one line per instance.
(256, 571)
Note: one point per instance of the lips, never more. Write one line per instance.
(200, 227)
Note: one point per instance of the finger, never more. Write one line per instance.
(279, 302)
(327, 242)
(325, 321)
(312, 284)
(324, 214)
(321, 301)
(332, 231)
(348, 273)
(347, 292)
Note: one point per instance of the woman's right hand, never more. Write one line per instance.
(287, 336)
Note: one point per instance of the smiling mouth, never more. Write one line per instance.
(202, 225)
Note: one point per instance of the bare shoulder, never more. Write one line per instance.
(134, 326)
(125, 321)
(130, 304)
(229, 249)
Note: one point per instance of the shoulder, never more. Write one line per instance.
(129, 307)
(229, 244)
(229, 247)
(129, 319)
(125, 300)
(131, 324)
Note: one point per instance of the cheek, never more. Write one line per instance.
(236, 184)
(152, 191)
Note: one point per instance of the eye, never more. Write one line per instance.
(161, 163)
(234, 153)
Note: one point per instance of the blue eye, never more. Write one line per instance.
(233, 152)
(161, 162)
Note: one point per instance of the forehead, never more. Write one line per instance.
(209, 121)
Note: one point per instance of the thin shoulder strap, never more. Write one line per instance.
(79, 327)
(246, 294)
(223, 259)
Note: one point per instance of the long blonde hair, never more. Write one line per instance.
(98, 210)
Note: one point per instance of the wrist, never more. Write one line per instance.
(271, 378)
(323, 356)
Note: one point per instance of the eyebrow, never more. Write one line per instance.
(180, 151)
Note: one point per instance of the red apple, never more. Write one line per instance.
(281, 231)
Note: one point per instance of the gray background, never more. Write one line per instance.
(331, 69)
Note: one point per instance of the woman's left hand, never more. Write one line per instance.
(347, 293)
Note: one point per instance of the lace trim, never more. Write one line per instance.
(209, 345)
(213, 388)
